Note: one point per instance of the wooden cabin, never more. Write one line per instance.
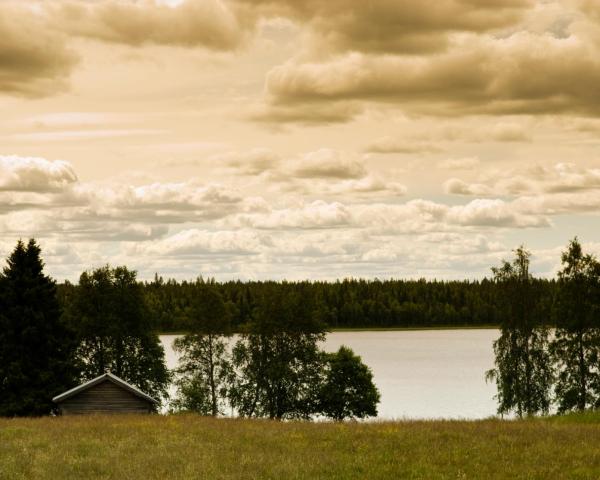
(104, 395)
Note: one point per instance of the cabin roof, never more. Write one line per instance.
(105, 377)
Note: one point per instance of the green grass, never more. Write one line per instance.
(192, 447)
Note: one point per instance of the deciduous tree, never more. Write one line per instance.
(523, 372)
(347, 390)
(114, 330)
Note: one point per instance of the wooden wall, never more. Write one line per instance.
(105, 397)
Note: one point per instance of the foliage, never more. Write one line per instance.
(348, 390)
(35, 350)
(576, 346)
(523, 372)
(277, 360)
(108, 314)
(204, 371)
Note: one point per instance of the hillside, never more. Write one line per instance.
(191, 447)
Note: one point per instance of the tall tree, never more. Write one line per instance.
(347, 390)
(576, 345)
(35, 346)
(114, 330)
(204, 369)
(277, 359)
(523, 372)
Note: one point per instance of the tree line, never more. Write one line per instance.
(349, 303)
(538, 368)
(51, 339)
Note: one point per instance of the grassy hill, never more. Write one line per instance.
(192, 447)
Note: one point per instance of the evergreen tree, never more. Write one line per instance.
(35, 346)
(348, 390)
(204, 369)
(576, 346)
(114, 330)
(523, 372)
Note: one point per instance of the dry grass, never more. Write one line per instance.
(192, 447)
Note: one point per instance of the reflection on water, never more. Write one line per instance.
(421, 373)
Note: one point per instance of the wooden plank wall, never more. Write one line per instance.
(105, 397)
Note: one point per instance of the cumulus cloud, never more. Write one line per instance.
(521, 73)
(415, 216)
(328, 163)
(194, 241)
(34, 60)
(254, 162)
(560, 178)
(30, 174)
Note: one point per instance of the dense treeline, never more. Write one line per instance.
(343, 304)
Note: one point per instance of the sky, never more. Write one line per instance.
(299, 139)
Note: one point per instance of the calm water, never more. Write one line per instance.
(422, 373)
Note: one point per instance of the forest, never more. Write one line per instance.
(349, 303)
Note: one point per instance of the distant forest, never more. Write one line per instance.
(342, 304)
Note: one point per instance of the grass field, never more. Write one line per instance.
(192, 447)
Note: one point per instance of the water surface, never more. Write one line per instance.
(420, 373)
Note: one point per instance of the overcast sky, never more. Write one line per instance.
(297, 139)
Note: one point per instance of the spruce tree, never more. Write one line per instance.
(35, 346)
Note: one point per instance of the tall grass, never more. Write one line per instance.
(192, 447)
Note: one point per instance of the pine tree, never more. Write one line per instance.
(35, 346)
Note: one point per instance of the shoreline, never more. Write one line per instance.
(384, 329)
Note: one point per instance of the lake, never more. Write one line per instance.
(419, 373)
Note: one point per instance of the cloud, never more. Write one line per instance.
(254, 162)
(30, 174)
(208, 23)
(90, 134)
(34, 60)
(415, 216)
(560, 178)
(328, 163)
(408, 26)
(522, 73)
(456, 186)
(510, 132)
(317, 214)
(313, 114)
(466, 163)
(193, 242)
(392, 145)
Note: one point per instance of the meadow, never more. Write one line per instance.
(194, 447)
